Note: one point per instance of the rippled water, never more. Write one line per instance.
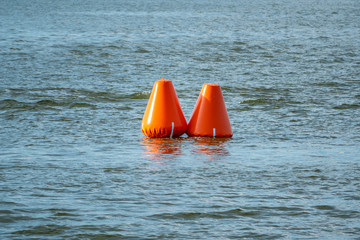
(75, 78)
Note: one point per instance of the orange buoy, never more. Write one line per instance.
(163, 116)
(209, 117)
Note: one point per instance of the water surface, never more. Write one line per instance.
(75, 79)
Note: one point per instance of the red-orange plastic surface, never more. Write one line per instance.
(209, 117)
(163, 111)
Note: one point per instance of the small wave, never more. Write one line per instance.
(101, 96)
(233, 213)
(325, 207)
(81, 52)
(329, 84)
(66, 103)
(47, 102)
(94, 95)
(9, 104)
(239, 49)
(64, 97)
(347, 106)
(139, 95)
(336, 212)
(43, 230)
(257, 101)
(258, 91)
(13, 217)
(108, 96)
(270, 102)
(142, 50)
(239, 43)
(113, 46)
(264, 101)
(63, 212)
(81, 105)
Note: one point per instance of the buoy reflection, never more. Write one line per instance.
(156, 148)
(210, 146)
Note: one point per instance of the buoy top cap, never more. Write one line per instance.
(210, 87)
(211, 84)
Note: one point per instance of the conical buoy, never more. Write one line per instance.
(209, 117)
(163, 116)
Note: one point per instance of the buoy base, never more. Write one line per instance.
(163, 132)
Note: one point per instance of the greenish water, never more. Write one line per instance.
(75, 78)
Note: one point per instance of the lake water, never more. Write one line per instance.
(75, 78)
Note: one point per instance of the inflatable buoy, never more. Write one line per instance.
(163, 116)
(209, 117)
